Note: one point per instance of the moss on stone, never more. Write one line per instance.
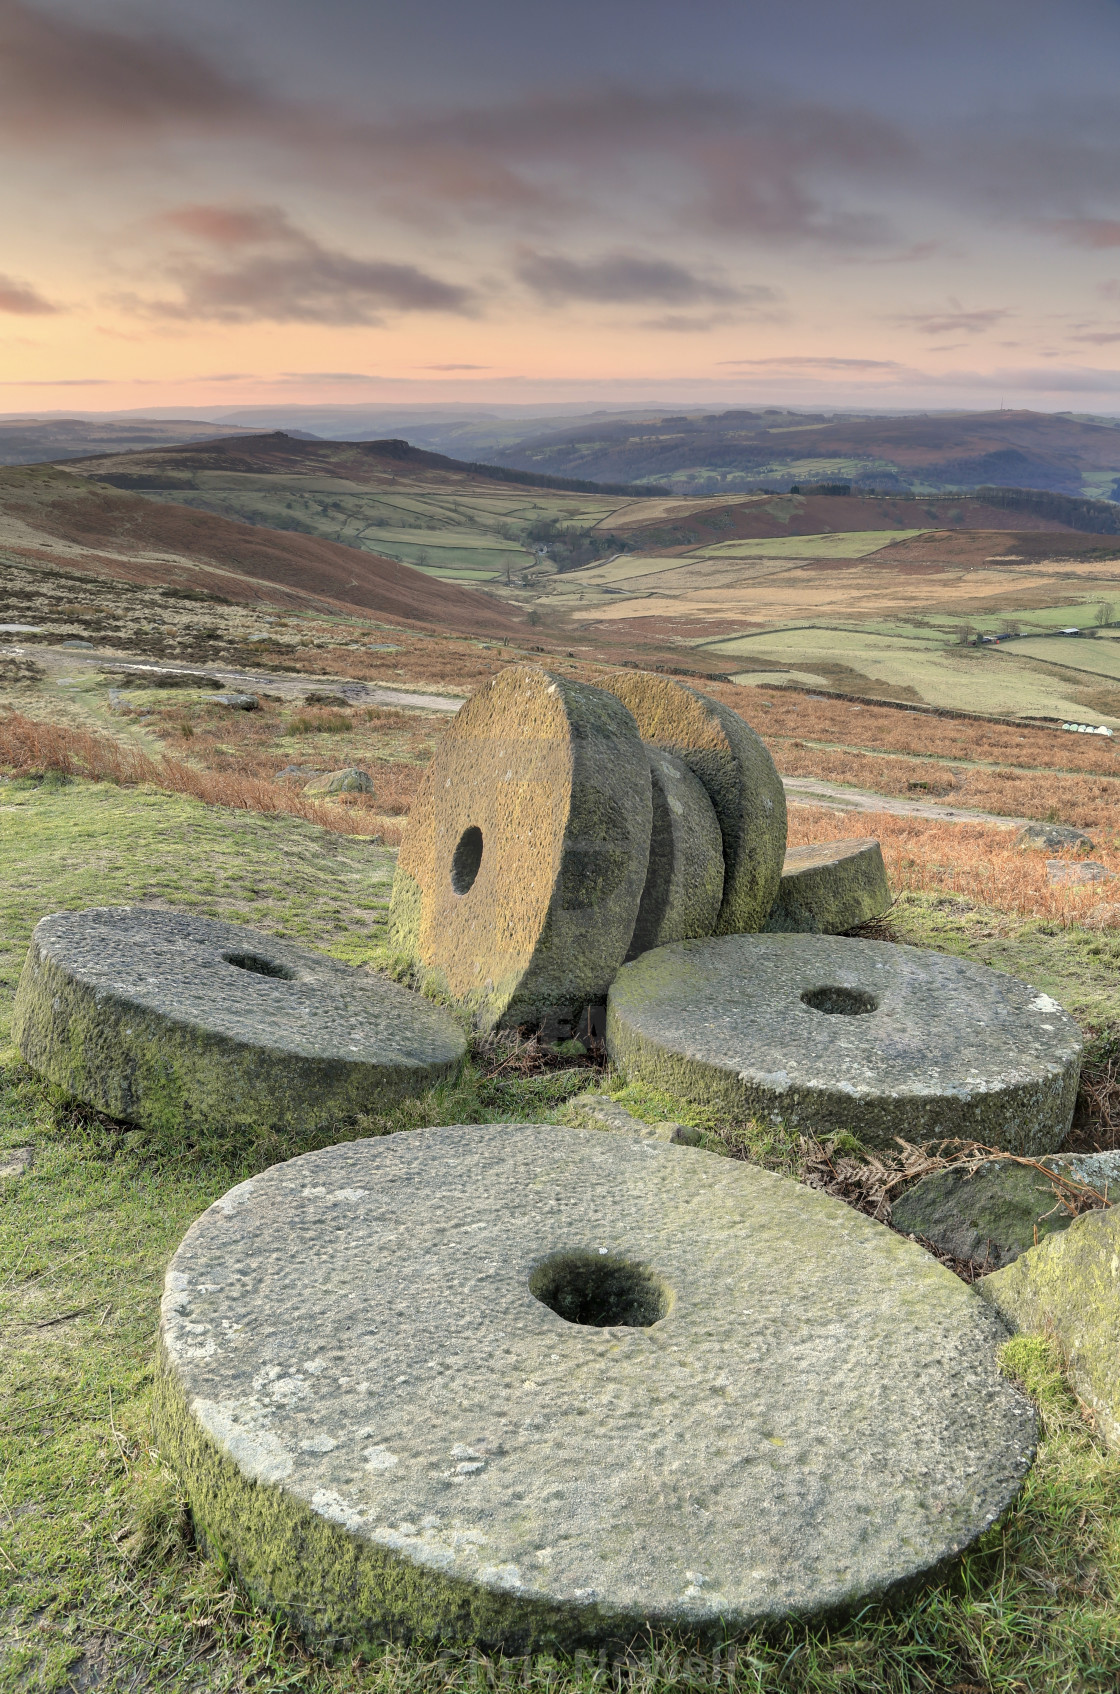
(830, 887)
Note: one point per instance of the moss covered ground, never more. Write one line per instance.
(101, 1585)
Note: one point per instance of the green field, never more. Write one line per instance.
(847, 544)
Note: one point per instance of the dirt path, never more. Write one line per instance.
(810, 791)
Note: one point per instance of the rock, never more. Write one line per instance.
(15, 1161)
(1052, 837)
(318, 697)
(828, 1034)
(350, 781)
(831, 887)
(1088, 870)
(740, 777)
(990, 1216)
(522, 867)
(599, 1111)
(1068, 1287)
(297, 773)
(540, 1387)
(684, 879)
(238, 702)
(179, 1023)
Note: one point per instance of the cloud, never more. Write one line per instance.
(677, 323)
(623, 278)
(22, 299)
(954, 322)
(1088, 232)
(251, 264)
(456, 367)
(809, 361)
(1097, 337)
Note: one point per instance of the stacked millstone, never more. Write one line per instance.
(181, 1023)
(561, 829)
(541, 1387)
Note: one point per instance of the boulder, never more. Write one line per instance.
(1052, 837)
(349, 781)
(539, 1387)
(1068, 1287)
(522, 868)
(740, 778)
(184, 1023)
(830, 887)
(992, 1214)
(1062, 871)
(825, 1034)
(237, 702)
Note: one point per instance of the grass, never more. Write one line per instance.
(100, 1582)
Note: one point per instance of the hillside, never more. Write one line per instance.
(57, 518)
(28, 441)
(744, 449)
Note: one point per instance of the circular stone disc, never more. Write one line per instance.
(831, 1034)
(386, 1432)
(741, 780)
(174, 1022)
(684, 881)
(829, 887)
(521, 871)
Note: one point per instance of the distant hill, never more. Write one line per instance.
(61, 519)
(736, 451)
(30, 441)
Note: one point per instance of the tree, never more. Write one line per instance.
(1106, 611)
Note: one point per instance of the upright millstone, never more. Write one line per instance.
(543, 1387)
(184, 1023)
(824, 1034)
(830, 887)
(521, 872)
(684, 881)
(741, 781)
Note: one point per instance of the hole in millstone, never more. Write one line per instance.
(466, 859)
(259, 967)
(849, 1002)
(600, 1290)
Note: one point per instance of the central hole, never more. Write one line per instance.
(260, 967)
(466, 859)
(598, 1289)
(849, 1002)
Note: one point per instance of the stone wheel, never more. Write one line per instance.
(522, 869)
(179, 1022)
(827, 1034)
(535, 1386)
(684, 881)
(739, 776)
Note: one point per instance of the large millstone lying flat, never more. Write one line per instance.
(521, 872)
(825, 1034)
(178, 1022)
(539, 1386)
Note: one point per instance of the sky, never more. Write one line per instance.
(837, 203)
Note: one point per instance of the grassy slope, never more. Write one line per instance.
(99, 1581)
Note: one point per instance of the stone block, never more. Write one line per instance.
(830, 887)
(348, 781)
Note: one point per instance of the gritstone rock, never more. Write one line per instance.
(830, 887)
(540, 1386)
(238, 702)
(599, 1111)
(684, 880)
(1068, 1287)
(522, 868)
(1002, 1209)
(178, 1022)
(350, 781)
(1087, 870)
(739, 775)
(830, 1034)
(1051, 837)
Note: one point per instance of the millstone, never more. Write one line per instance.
(537, 1386)
(175, 1022)
(828, 1034)
(684, 879)
(521, 872)
(739, 775)
(830, 887)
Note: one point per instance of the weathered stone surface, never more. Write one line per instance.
(991, 1215)
(740, 777)
(1076, 872)
(1052, 837)
(238, 702)
(522, 868)
(1069, 1287)
(15, 1161)
(348, 781)
(830, 887)
(684, 878)
(830, 1034)
(175, 1022)
(542, 1386)
(599, 1111)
